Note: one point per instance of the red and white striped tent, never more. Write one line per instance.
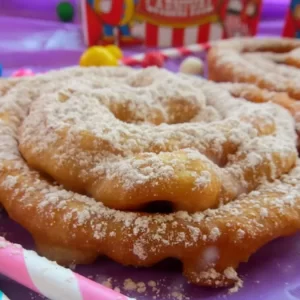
(175, 37)
(175, 23)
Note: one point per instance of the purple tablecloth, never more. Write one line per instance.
(31, 37)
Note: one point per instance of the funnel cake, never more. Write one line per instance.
(84, 150)
(271, 64)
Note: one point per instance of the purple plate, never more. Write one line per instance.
(271, 274)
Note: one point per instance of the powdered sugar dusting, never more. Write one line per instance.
(214, 234)
(231, 274)
(139, 251)
(73, 125)
(9, 182)
(203, 179)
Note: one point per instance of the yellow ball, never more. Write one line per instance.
(97, 56)
(115, 51)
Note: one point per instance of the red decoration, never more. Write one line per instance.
(153, 59)
(22, 73)
(93, 22)
(292, 21)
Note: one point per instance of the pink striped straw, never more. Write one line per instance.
(48, 278)
(3, 296)
(168, 53)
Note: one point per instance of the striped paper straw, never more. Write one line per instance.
(168, 53)
(3, 297)
(48, 278)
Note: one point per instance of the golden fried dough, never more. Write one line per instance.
(83, 150)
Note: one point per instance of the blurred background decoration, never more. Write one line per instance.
(33, 35)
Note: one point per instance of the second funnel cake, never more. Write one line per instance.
(271, 64)
(84, 153)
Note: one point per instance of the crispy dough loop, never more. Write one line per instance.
(270, 64)
(73, 136)
(154, 164)
(236, 230)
